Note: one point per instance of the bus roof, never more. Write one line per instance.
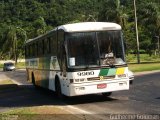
(83, 27)
(90, 26)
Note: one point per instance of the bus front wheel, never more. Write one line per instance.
(58, 89)
(107, 94)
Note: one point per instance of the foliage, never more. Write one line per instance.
(35, 17)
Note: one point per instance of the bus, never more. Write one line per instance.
(78, 59)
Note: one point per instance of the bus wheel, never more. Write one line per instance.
(107, 94)
(33, 79)
(58, 89)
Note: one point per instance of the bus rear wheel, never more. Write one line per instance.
(33, 79)
(106, 94)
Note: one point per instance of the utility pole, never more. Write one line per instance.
(135, 14)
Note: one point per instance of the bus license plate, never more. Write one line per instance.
(101, 86)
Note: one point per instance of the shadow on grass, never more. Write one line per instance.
(13, 95)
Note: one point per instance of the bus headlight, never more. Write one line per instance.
(76, 80)
(122, 76)
(81, 80)
(71, 80)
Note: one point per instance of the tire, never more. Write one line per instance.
(58, 89)
(33, 79)
(131, 82)
(107, 94)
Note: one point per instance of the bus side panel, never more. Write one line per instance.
(44, 71)
(41, 72)
(54, 70)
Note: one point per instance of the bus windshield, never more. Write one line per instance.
(94, 49)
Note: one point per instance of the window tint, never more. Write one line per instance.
(47, 46)
(40, 48)
(53, 43)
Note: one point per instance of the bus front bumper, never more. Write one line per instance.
(97, 87)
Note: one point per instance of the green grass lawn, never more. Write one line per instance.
(147, 63)
(21, 65)
(4, 82)
(39, 113)
(132, 58)
(144, 67)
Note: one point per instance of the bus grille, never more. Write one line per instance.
(101, 78)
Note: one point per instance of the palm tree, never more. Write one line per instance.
(14, 39)
(112, 10)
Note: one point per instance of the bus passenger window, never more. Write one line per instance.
(48, 45)
(53, 44)
(40, 48)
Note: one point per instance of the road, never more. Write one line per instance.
(142, 98)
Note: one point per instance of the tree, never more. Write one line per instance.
(15, 38)
(113, 12)
(40, 26)
(151, 21)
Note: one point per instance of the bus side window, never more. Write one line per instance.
(40, 48)
(53, 44)
(29, 52)
(33, 49)
(64, 62)
(60, 44)
(36, 49)
(47, 46)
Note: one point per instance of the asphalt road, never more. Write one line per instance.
(142, 98)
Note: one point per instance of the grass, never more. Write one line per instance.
(147, 63)
(132, 58)
(144, 67)
(20, 65)
(5, 82)
(1, 65)
(40, 113)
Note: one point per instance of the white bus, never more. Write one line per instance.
(79, 59)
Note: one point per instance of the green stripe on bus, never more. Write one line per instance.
(103, 72)
(111, 72)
